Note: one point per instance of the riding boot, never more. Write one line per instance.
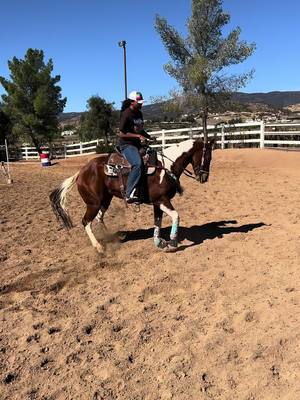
(133, 198)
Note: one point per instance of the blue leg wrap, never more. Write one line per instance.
(174, 230)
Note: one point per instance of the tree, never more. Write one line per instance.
(5, 126)
(199, 62)
(33, 100)
(99, 121)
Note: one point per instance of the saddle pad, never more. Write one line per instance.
(116, 162)
(112, 170)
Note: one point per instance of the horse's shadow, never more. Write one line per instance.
(196, 234)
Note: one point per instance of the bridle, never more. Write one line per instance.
(200, 169)
(197, 170)
(186, 172)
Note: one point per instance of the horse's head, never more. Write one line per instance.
(201, 159)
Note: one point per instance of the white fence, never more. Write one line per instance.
(252, 134)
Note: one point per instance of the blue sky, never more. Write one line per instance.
(82, 39)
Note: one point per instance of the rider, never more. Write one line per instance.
(130, 137)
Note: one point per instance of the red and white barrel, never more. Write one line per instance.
(45, 158)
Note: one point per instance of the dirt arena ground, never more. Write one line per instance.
(219, 319)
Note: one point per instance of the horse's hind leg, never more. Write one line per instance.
(90, 214)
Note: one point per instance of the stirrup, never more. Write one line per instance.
(133, 199)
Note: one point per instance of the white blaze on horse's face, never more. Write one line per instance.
(175, 151)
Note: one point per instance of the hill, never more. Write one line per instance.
(274, 99)
(251, 101)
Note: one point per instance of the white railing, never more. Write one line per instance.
(254, 133)
(29, 153)
(78, 149)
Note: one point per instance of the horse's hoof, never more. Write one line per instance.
(170, 249)
(121, 235)
(100, 250)
(160, 243)
(171, 246)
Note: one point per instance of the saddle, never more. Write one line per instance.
(117, 164)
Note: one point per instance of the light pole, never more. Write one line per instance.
(123, 44)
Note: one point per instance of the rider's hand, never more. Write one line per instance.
(142, 139)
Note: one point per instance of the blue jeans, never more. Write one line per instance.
(132, 155)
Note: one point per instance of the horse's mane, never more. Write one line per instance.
(176, 150)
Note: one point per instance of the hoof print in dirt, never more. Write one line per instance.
(104, 393)
(44, 363)
(45, 350)
(88, 329)
(275, 371)
(225, 326)
(290, 289)
(10, 378)
(232, 355)
(37, 326)
(209, 387)
(141, 298)
(4, 288)
(33, 338)
(73, 358)
(249, 317)
(117, 328)
(145, 334)
(33, 394)
(3, 257)
(57, 286)
(130, 359)
(53, 330)
(150, 307)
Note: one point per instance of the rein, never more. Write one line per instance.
(186, 172)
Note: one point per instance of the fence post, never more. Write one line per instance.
(222, 137)
(80, 148)
(262, 134)
(26, 153)
(191, 133)
(163, 139)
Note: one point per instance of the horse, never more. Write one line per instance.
(97, 189)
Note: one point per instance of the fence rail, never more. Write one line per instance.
(254, 134)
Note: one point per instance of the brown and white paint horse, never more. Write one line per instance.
(97, 189)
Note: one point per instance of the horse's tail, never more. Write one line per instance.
(58, 200)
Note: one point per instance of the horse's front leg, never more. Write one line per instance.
(105, 203)
(168, 208)
(158, 241)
